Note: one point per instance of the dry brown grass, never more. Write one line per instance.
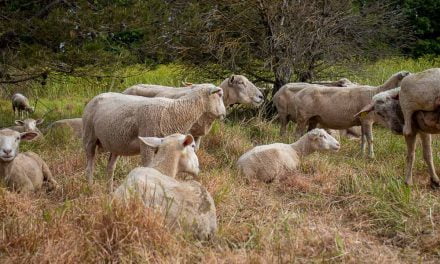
(335, 208)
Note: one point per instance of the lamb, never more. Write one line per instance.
(237, 89)
(73, 124)
(420, 91)
(184, 203)
(21, 104)
(335, 108)
(114, 121)
(387, 106)
(22, 172)
(283, 99)
(27, 125)
(273, 162)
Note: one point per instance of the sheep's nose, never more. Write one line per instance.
(7, 151)
(261, 96)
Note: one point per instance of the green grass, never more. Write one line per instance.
(338, 207)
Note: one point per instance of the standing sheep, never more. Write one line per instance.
(283, 101)
(237, 89)
(115, 121)
(184, 203)
(335, 108)
(420, 91)
(387, 106)
(272, 162)
(23, 172)
(21, 104)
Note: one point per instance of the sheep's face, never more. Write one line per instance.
(10, 141)
(242, 91)
(387, 109)
(321, 140)
(215, 102)
(176, 145)
(29, 124)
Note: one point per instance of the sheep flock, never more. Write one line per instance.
(165, 125)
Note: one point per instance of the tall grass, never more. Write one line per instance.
(338, 207)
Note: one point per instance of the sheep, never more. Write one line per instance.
(343, 82)
(114, 121)
(335, 108)
(283, 99)
(73, 124)
(184, 203)
(237, 89)
(272, 162)
(387, 106)
(21, 104)
(22, 172)
(420, 91)
(27, 125)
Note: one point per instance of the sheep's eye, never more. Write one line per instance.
(18, 138)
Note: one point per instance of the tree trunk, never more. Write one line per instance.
(282, 76)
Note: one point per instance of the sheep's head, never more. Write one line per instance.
(240, 90)
(321, 140)
(10, 141)
(176, 145)
(30, 109)
(386, 106)
(29, 124)
(215, 103)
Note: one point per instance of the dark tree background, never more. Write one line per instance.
(272, 41)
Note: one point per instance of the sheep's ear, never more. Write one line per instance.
(28, 135)
(153, 142)
(231, 79)
(367, 109)
(215, 90)
(19, 122)
(188, 140)
(40, 121)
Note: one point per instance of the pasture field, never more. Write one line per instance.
(338, 207)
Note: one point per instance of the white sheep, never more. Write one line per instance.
(27, 125)
(283, 101)
(184, 203)
(23, 172)
(20, 103)
(237, 89)
(419, 92)
(73, 124)
(387, 106)
(115, 121)
(335, 108)
(273, 162)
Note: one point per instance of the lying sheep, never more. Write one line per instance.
(419, 92)
(283, 101)
(387, 106)
(21, 104)
(335, 108)
(115, 121)
(184, 203)
(22, 172)
(73, 124)
(27, 125)
(237, 89)
(273, 162)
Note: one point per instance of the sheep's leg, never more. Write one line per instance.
(312, 124)
(283, 123)
(407, 116)
(301, 127)
(369, 136)
(363, 139)
(427, 156)
(197, 141)
(90, 155)
(47, 174)
(147, 154)
(112, 159)
(410, 154)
